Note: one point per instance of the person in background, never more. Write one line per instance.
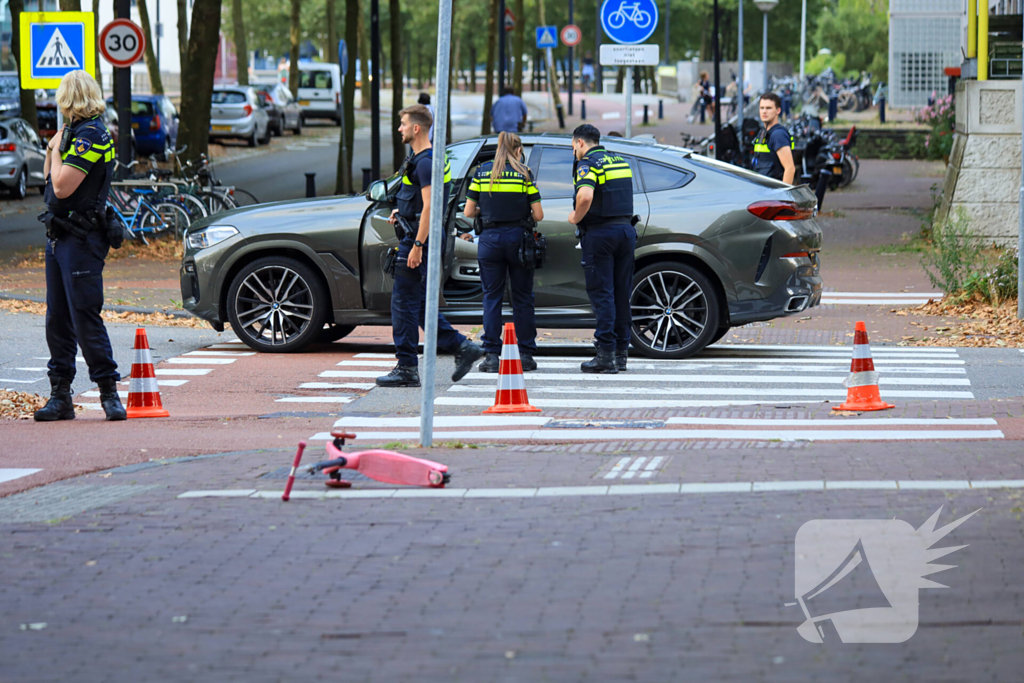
(588, 73)
(509, 113)
(424, 99)
(773, 146)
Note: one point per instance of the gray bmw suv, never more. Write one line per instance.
(717, 247)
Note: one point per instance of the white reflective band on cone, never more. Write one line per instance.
(510, 352)
(143, 385)
(861, 351)
(861, 379)
(507, 382)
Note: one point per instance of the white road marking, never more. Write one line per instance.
(370, 363)
(887, 295)
(566, 435)
(337, 385)
(772, 365)
(816, 486)
(315, 399)
(182, 372)
(78, 359)
(827, 301)
(634, 468)
(90, 406)
(617, 468)
(446, 421)
(802, 394)
(200, 361)
(834, 422)
(31, 369)
(164, 382)
(593, 403)
(376, 355)
(226, 347)
(12, 473)
(205, 352)
(623, 377)
(96, 394)
(829, 347)
(652, 467)
(23, 381)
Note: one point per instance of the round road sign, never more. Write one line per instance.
(122, 43)
(571, 35)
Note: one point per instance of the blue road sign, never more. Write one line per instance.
(56, 49)
(629, 22)
(343, 57)
(547, 36)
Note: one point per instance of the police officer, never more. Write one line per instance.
(603, 212)
(502, 193)
(79, 168)
(409, 294)
(773, 146)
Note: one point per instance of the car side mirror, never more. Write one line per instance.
(378, 191)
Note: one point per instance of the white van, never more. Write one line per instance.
(320, 91)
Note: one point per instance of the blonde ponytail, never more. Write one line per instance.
(510, 149)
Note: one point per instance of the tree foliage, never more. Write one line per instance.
(858, 29)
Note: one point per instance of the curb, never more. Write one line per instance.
(115, 308)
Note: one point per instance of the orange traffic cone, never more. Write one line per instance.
(143, 393)
(862, 384)
(511, 395)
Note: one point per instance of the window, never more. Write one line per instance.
(658, 177)
(554, 173)
(29, 134)
(140, 108)
(320, 80)
(228, 97)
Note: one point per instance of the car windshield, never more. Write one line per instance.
(228, 97)
(142, 108)
(315, 79)
(8, 87)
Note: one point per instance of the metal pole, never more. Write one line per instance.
(123, 85)
(739, 77)
(629, 100)
(572, 65)
(668, 22)
(374, 76)
(159, 32)
(764, 42)
(803, 38)
(1020, 240)
(717, 50)
(444, 49)
(598, 70)
(501, 47)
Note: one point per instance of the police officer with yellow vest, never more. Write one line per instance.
(409, 294)
(80, 231)
(503, 195)
(603, 212)
(773, 146)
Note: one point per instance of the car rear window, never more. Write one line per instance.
(142, 108)
(315, 79)
(660, 177)
(3, 133)
(228, 97)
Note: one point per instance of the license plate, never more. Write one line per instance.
(221, 129)
(838, 170)
(303, 103)
(135, 126)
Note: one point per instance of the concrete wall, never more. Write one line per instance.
(983, 176)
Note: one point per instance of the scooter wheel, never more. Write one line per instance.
(338, 484)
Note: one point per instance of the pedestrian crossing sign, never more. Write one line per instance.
(547, 36)
(53, 44)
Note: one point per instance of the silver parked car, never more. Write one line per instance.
(237, 112)
(22, 155)
(717, 247)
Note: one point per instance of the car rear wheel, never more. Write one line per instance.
(20, 188)
(675, 310)
(277, 303)
(252, 137)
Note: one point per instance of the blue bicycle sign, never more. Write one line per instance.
(629, 22)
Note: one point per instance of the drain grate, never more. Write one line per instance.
(306, 414)
(605, 424)
(59, 501)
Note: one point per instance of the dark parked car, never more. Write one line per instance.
(46, 115)
(283, 110)
(154, 125)
(22, 155)
(718, 246)
(10, 95)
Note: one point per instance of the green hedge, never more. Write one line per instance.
(887, 143)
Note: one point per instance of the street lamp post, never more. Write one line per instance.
(803, 38)
(765, 6)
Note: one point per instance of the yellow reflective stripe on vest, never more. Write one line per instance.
(761, 148)
(406, 181)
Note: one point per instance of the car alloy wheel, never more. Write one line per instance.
(21, 185)
(277, 303)
(674, 310)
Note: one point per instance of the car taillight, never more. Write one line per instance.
(154, 123)
(8, 147)
(780, 211)
(337, 99)
(248, 109)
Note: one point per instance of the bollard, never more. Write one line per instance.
(661, 110)
(833, 108)
(646, 121)
(310, 185)
(583, 110)
(366, 178)
(881, 109)
(561, 117)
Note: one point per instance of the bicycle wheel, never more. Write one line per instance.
(642, 19)
(215, 202)
(244, 197)
(193, 204)
(617, 19)
(166, 215)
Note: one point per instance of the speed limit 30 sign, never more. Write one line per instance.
(122, 43)
(571, 35)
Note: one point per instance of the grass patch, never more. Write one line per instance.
(457, 444)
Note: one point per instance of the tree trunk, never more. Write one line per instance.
(294, 38)
(364, 63)
(28, 97)
(194, 130)
(238, 33)
(472, 69)
(96, 40)
(492, 39)
(456, 60)
(519, 46)
(70, 5)
(343, 183)
(156, 84)
(332, 34)
(552, 76)
(182, 41)
(397, 101)
(620, 78)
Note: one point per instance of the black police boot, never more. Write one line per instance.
(401, 376)
(468, 354)
(529, 364)
(111, 402)
(491, 364)
(59, 407)
(620, 360)
(603, 363)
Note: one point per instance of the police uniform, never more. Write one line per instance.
(409, 295)
(607, 240)
(505, 208)
(74, 266)
(766, 150)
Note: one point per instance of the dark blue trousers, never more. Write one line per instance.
(608, 269)
(74, 297)
(408, 309)
(498, 255)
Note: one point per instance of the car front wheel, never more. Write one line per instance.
(277, 303)
(675, 310)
